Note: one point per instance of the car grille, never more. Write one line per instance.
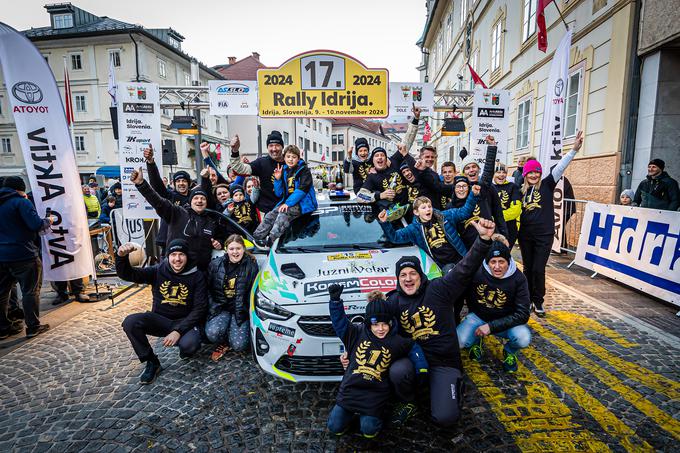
(318, 326)
(311, 366)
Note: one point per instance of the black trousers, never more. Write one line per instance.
(512, 232)
(535, 253)
(28, 274)
(137, 326)
(446, 389)
(76, 287)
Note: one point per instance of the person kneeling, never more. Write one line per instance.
(180, 300)
(498, 301)
(372, 347)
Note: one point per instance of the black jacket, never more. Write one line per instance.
(229, 286)
(19, 227)
(182, 297)
(502, 302)
(427, 316)
(435, 189)
(359, 171)
(176, 198)
(658, 193)
(245, 214)
(185, 223)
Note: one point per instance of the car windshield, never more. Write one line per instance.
(342, 227)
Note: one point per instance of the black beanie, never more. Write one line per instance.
(404, 165)
(659, 163)
(275, 138)
(378, 150)
(197, 191)
(15, 182)
(377, 311)
(236, 188)
(178, 245)
(181, 175)
(461, 178)
(498, 249)
(360, 142)
(409, 261)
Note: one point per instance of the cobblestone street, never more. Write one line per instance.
(588, 382)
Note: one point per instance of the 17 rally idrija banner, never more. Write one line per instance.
(636, 246)
(232, 97)
(50, 159)
(322, 83)
(139, 125)
(490, 117)
(404, 95)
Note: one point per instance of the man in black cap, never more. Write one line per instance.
(498, 304)
(180, 303)
(360, 165)
(658, 190)
(386, 186)
(19, 256)
(263, 167)
(192, 223)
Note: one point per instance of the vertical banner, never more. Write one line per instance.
(553, 124)
(50, 159)
(490, 116)
(232, 97)
(139, 125)
(403, 95)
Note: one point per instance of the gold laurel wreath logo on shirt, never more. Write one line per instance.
(174, 294)
(370, 368)
(475, 216)
(420, 324)
(532, 201)
(495, 298)
(505, 197)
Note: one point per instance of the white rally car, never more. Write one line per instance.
(342, 242)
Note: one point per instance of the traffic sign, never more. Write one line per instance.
(323, 83)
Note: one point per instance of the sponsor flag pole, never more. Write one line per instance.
(68, 100)
(49, 155)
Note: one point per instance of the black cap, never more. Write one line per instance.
(377, 150)
(404, 165)
(14, 182)
(275, 138)
(409, 261)
(178, 245)
(377, 311)
(659, 163)
(235, 188)
(361, 142)
(181, 175)
(498, 250)
(460, 178)
(197, 191)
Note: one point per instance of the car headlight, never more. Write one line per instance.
(266, 309)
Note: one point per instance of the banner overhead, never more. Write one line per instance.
(139, 125)
(50, 159)
(636, 246)
(322, 84)
(232, 97)
(490, 116)
(552, 130)
(403, 95)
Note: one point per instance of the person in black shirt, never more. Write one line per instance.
(415, 189)
(511, 201)
(498, 304)
(360, 165)
(386, 186)
(242, 210)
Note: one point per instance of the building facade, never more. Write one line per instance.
(347, 130)
(85, 44)
(498, 39)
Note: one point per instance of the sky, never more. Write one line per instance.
(379, 33)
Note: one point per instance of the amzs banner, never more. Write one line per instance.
(50, 160)
(636, 246)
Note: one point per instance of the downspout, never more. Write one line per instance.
(631, 121)
(136, 57)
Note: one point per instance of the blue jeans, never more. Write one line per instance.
(339, 419)
(518, 337)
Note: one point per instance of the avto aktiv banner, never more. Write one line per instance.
(636, 246)
(48, 152)
(553, 127)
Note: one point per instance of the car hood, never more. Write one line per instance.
(358, 271)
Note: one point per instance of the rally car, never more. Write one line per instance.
(342, 242)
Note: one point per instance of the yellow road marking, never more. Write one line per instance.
(538, 421)
(661, 418)
(571, 323)
(594, 326)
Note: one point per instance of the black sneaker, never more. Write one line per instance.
(81, 297)
(538, 309)
(42, 328)
(402, 412)
(153, 369)
(13, 329)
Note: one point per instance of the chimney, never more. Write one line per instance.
(256, 56)
(232, 60)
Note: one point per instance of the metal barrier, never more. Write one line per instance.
(574, 211)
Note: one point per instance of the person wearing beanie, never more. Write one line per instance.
(658, 190)
(294, 186)
(626, 197)
(116, 191)
(360, 165)
(190, 222)
(414, 187)
(537, 221)
(19, 256)
(372, 347)
(424, 310)
(180, 301)
(242, 209)
(386, 186)
(262, 167)
(498, 304)
(511, 201)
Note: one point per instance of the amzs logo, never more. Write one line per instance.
(27, 92)
(233, 88)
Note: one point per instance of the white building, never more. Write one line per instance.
(347, 130)
(87, 43)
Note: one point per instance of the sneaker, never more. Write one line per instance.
(402, 412)
(538, 309)
(80, 297)
(509, 361)
(42, 328)
(476, 352)
(13, 329)
(153, 369)
(219, 352)
(370, 436)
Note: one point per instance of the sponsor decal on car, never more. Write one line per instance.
(350, 256)
(352, 285)
(281, 330)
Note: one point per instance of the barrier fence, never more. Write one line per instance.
(573, 219)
